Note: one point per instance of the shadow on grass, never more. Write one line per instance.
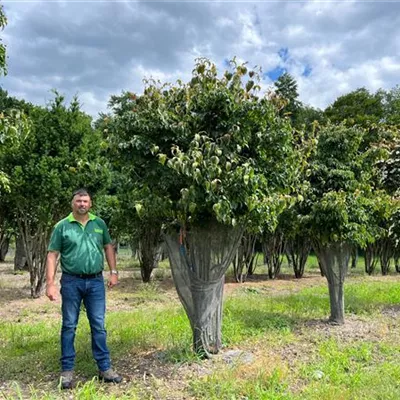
(13, 294)
(130, 285)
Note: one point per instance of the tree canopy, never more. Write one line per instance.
(357, 107)
(208, 148)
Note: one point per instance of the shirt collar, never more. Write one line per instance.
(71, 217)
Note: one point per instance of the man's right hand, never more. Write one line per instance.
(52, 292)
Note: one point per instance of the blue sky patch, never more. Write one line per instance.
(275, 73)
(307, 70)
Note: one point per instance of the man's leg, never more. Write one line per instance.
(71, 295)
(95, 304)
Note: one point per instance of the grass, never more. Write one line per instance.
(295, 355)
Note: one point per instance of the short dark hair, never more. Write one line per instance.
(81, 192)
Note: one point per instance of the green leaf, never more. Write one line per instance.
(162, 158)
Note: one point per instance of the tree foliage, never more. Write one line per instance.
(58, 153)
(3, 56)
(359, 107)
(209, 148)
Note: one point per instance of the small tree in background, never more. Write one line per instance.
(359, 107)
(391, 105)
(14, 130)
(338, 206)
(298, 241)
(245, 260)
(58, 154)
(286, 88)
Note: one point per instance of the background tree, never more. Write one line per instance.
(307, 116)
(137, 124)
(245, 260)
(14, 127)
(389, 168)
(58, 154)
(391, 106)
(359, 107)
(286, 88)
(338, 206)
(297, 242)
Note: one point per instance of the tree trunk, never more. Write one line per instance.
(199, 259)
(297, 251)
(35, 241)
(386, 251)
(5, 235)
(20, 261)
(321, 270)
(354, 257)
(371, 258)
(273, 248)
(206, 327)
(253, 264)
(244, 259)
(4, 245)
(396, 261)
(149, 250)
(334, 258)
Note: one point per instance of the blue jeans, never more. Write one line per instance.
(91, 291)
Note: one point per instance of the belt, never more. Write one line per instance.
(85, 276)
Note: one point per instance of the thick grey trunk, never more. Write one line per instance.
(199, 259)
(336, 300)
(207, 321)
(334, 261)
(149, 250)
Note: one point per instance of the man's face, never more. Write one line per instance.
(81, 204)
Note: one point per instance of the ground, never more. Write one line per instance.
(166, 380)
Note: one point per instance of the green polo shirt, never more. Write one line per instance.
(81, 247)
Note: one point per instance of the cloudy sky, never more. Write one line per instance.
(99, 48)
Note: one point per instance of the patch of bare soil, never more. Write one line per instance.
(283, 284)
(170, 381)
(17, 305)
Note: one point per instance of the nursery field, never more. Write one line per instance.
(277, 342)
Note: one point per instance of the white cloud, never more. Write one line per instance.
(99, 49)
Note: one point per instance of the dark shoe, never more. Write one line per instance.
(109, 376)
(66, 379)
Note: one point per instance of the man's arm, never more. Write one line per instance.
(111, 261)
(51, 266)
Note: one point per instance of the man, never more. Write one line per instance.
(80, 239)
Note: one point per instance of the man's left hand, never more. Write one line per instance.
(112, 280)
